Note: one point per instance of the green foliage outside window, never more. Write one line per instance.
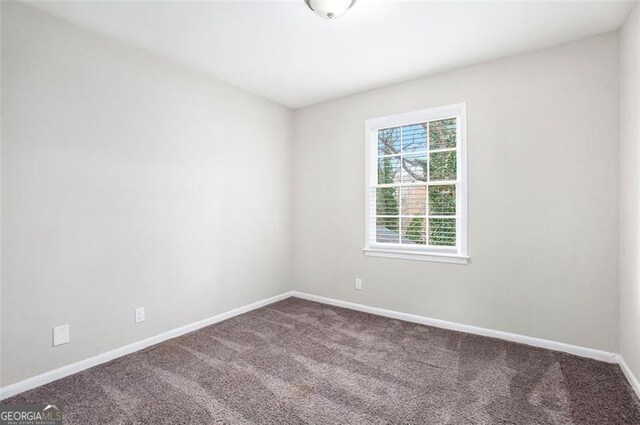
(415, 230)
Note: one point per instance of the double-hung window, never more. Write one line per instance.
(416, 185)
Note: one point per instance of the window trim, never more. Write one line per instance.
(457, 255)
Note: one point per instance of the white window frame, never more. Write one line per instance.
(458, 254)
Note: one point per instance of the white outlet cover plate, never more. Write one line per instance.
(138, 314)
(60, 335)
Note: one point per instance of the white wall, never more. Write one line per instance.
(543, 198)
(1, 197)
(629, 191)
(129, 181)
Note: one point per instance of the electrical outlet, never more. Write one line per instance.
(60, 335)
(138, 314)
(358, 284)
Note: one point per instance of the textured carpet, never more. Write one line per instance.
(302, 362)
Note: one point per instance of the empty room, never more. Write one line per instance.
(319, 212)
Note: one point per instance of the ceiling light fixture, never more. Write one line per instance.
(329, 9)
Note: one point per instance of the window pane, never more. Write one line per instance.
(387, 201)
(414, 168)
(389, 170)
(389, 141)
(442, 200)
(413, 230)
(387, 230)
(443, 166)
(442, 231)
(414, 138)
(442, 134)
(414, 200)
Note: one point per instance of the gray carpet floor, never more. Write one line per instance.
(297, 362)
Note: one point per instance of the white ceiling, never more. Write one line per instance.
(282, 51)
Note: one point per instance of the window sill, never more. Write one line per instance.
(416, 256)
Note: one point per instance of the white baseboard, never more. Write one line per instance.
(535, 342)
(630, 376)
(64, 371)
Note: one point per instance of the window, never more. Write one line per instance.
(416, 185)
